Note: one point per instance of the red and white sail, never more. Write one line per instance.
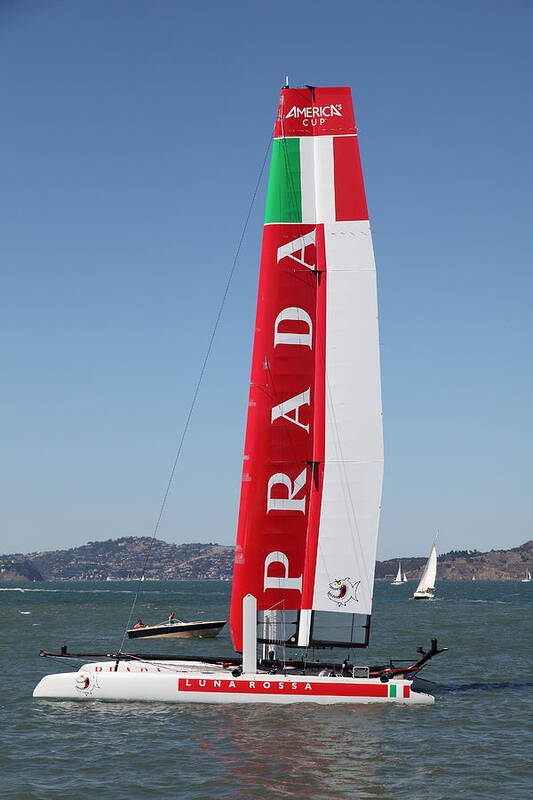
(313, 459)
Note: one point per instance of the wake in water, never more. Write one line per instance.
(72, 591)
(492, 686)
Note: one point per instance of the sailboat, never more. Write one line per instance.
(400, 576)
(527, 578)
(313, 456)
(426, 586)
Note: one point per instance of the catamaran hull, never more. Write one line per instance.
(190, 687)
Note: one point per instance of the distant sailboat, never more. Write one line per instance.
(527, 579)
(426, 587)
(404, 578)
(400, 576)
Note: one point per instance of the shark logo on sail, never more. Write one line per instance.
(343, 591)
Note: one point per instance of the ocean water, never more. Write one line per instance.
(474, 743)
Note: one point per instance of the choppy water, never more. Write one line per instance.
(474, 743)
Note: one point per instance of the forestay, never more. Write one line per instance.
(313, 456)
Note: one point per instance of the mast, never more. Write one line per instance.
(313, 455)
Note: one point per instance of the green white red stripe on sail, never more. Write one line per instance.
(315, 179)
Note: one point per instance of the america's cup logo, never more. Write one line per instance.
(333, 110)
(312, 115)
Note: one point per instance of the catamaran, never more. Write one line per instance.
(426, 586)
(313, 457)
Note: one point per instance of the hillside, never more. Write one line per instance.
(18, 570)
(130, 556)
(496, 565)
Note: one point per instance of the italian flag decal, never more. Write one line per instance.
(399, 691)
(299, 165)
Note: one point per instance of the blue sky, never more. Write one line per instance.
(131, 137)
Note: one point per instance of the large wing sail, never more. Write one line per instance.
(311, 483)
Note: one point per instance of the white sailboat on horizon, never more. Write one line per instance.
(527, 578)
(400, 578)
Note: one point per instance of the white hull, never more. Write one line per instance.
(181, 683)
(424, 595)
(188, 635)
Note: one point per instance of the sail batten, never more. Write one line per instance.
(313, 452)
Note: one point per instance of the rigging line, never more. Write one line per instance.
(345, 483)
(161, 665)
(198, 384)
(284, 636)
